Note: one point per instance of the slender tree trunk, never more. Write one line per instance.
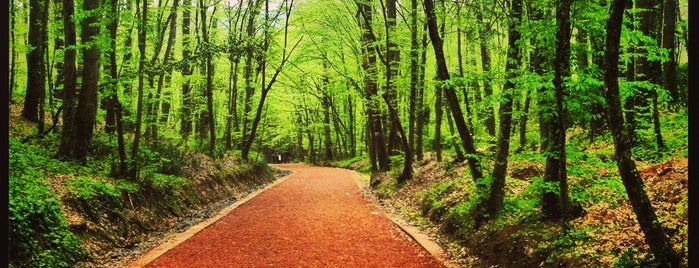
(556, 203)
(13, 51)
(485, 64)
(143, 12)
(392, 66)
(670, 67)
(414, 74)
(86, 112)
(422, 112)
(113, 96)
(209, 81)
(438, 111)
(497, 186)
(656, 239)
(442, 76)
(65, 149)
(36, 72)
(374, 124)
(187, 98)
(523, 122)
(248, 71)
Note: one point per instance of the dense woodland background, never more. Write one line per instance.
(114, 93)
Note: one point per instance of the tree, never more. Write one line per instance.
(65, 149)
(556, 202)
(443, 76)
(645, 214)
(414, 74)
(36, 73)
(392, 65)
(378, 153)
(187, 102)
(266, 87)
(86, 111)
(113, 96)
(670, 66)
(143, 12)
(497, 186)
(209, 79)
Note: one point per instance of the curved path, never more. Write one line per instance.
(315, 217)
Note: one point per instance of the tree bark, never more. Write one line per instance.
(143, 12)
(485, 64)
(656, 239)
(374, 124)
(65, 149)
(497, 186)
(209, 81)
(36, 73)
(86, 112)
(392, 66)
(670, 67)
(414, 49)
(556, 203)
(187, 98)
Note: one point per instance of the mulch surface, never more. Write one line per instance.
(317, 217)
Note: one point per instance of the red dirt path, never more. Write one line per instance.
(316, 217)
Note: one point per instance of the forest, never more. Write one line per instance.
(562, 125)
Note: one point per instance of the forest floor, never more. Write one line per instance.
(316, 217)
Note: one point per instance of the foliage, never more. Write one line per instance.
(39, 235)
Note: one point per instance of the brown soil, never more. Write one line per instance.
(316, 217)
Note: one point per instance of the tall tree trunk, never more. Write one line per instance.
(253, 6)
(422, 110)
(65, 149)
(86, 112)
(209, 81)
(556, 203)
(443, 76)
(392, 66)
(36, 72)
(374, 124)
(656, 239)
(414, 74)
(13, 51)
(514, 58)
(485, 64)
(537, 64)
(187, 98)
(670, 67)
(438, 111)
(143, 12)
(113, 96)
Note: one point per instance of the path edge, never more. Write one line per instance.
(422, 239)
(168, 244)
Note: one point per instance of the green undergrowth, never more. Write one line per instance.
(66, 214)
(450, 202)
